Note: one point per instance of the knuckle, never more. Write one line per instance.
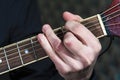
(57, 45)
(68, 41)
(72, 24)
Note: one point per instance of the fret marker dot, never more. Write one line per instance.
(0, 60)
(26, 51)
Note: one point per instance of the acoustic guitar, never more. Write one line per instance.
(28, 51)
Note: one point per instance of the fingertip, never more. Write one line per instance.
(39, 37)
(45, 27)
(69, 16)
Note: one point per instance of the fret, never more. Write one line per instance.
(6, 58)
(3, 62)
(26, 50)
(38, 49)
(13, 56)
(19, 53)
(60, 32)
(95, 22)
(33, 48)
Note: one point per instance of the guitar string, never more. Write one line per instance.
(36, 41)
(111, 13)
(19, 57)
(106, 15)
(117, 5)
(26, 48)
(7, 51)
(29, 52)
(106, 20)
(103, 13)
(113, 24)
(23, 50)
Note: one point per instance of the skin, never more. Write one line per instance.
(75, 56)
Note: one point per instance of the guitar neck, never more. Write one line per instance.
(27, 51)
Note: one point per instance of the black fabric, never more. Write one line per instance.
(20, 19)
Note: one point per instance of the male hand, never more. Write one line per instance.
(75, 56)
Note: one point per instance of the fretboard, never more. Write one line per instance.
(27, 51)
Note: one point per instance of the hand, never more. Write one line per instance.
(74, 57)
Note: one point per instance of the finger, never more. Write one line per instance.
(69, 16)
(56, 44)
(76, 47)
(48, 49)
(82, 33)
(61, 52)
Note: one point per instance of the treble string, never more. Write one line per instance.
(111, 13)
(117, 5)
(109, 16)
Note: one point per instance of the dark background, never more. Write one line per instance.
(108, 66)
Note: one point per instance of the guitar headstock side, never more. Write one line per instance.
(111, 18)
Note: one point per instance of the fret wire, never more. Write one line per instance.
(94, 29)
(33, 48)
(89, 22)
(42, 48)
(35, 42)
(19, 47)
(24, 54)
(6, 58)
(19, 53)
(27, 44)
(22, 50)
